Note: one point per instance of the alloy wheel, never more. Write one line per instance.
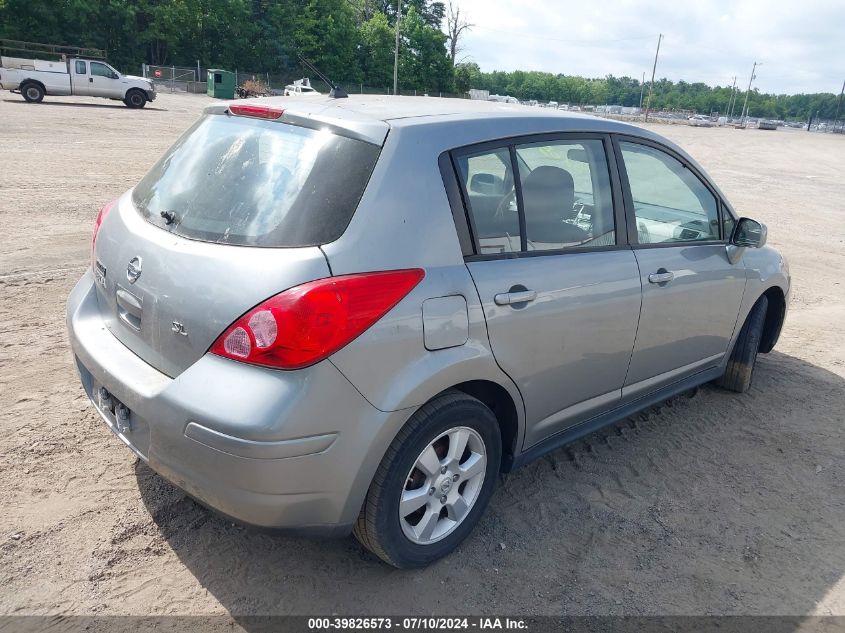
(443, 485)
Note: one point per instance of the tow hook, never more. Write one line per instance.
(124, 424)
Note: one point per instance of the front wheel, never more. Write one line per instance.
(434, 482)
(740, 367)
(32, 92)
(135, 99)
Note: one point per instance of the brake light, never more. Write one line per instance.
(307, 323)
(261, 112)
(100, 217)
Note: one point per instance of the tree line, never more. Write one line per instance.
(352, 41)
(627, 91)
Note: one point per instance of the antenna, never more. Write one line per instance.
(336, 91)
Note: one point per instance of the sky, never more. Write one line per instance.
(801, 45)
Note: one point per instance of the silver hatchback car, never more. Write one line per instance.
(353, 314)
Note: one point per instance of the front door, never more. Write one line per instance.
(103, 81)
(691, 291)
(559, 288)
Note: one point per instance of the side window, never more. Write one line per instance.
(566, 194)
(80, 68)
(101, 70)
(670, 203)
(488, 182)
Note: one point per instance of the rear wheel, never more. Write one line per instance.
(32, 92)
(135, 99)
(740, 368)
(434, 482)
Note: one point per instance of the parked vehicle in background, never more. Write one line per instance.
(503, 99)
(301, 88)
(700, 120)
(35, 78)
(353, 314)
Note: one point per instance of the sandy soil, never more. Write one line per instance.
(709, 503)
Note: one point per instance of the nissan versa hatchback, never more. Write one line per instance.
(352, 314)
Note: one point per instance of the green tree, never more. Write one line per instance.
(467, 75)
(376, 52)
(324, 33)
(424, 64)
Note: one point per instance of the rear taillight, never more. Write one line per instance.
(100, 217)
(307, 323)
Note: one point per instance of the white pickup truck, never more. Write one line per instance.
(35, 78)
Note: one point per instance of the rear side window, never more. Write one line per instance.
(560, 197)
(566, 195)
(80, 68)
(248, 182)
(488, 181)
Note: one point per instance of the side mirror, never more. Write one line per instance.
(578, 155)
(749, 233)
(488, 184)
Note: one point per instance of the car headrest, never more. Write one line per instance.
(548, 193)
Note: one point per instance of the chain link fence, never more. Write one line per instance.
(185, 79)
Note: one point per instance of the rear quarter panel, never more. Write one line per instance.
(404, 221)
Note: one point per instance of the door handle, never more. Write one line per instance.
(662, 276)
(509, 298)
(91, 79)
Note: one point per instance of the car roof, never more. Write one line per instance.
(388, 108)
(458, 122)
(369, 117)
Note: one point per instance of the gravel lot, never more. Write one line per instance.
(712, 503)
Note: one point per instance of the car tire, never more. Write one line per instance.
(135, 99)
(443, 521)
(740, 367)
(32, 92)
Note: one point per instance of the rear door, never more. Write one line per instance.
(558, 284)
(80, 78)
(691, 290)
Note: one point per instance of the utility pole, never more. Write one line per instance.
(731, 100)
(396, 53)
(642, 88)
(653, 71)
(838, 105)
(745, 105)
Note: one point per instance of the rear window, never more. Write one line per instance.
(249, 182)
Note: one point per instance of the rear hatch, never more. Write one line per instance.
(233, 214)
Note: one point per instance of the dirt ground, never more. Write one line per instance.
(712, 503)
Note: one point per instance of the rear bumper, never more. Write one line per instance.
(265, 447)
